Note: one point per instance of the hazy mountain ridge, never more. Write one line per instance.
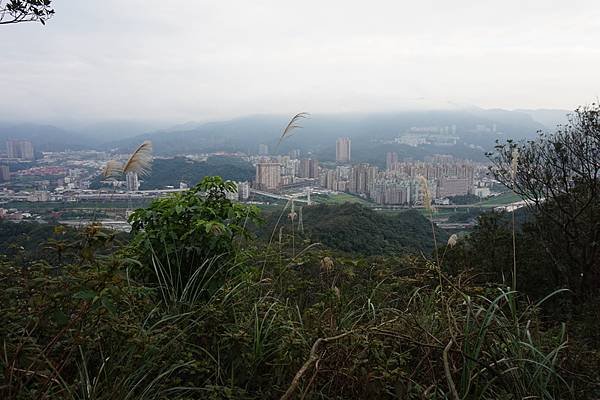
(550, 118)
(45, 137)
(317, 135)
(320, 131)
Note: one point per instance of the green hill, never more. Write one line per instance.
(171, 171)
(353, 228)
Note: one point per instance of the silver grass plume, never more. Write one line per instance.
(452, 240)
(112, 169)
(140, 160)
(291, 126)
(426, 194)
(327, 264)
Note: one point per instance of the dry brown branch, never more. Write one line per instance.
(312, 359)
(448, 373)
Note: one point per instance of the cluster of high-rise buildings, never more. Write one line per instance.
(273, 173)
(20, 149)
(404, 182)
(401, 182)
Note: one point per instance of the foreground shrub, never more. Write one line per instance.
(179, 233)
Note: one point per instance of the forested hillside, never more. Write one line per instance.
(357, 229)
(172, 171)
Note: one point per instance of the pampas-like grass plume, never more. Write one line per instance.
(426, 194)
(452, 240)
(140, 160)
(291, 126)
(327, 264)
(112, 169)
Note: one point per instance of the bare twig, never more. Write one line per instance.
(312, 359)
(448, 373)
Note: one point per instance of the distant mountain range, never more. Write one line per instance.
(549, 118)
(46, 137)
(318, 134)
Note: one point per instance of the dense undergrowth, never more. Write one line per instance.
(314, 325)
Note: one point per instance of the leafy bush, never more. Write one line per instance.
(186, 229)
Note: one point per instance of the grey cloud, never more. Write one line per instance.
(194, 60)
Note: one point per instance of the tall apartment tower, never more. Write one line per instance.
(243, 190)
(268, 176)
(4, 173)
(133, 182)
(12, 148)
(391, 158)
(343, 150)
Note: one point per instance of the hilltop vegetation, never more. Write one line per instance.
(353, 228)
(172, 171)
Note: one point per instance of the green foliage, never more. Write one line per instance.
(172, 171)
(185, 229)
(488, 249)
(81, 334)
(27, 242)
(356, 229)
(383, 328)
(559, 175)
(465, 215)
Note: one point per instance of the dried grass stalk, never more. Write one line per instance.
(112, 169)
(426, 194)
(140, 160)
(291, 126)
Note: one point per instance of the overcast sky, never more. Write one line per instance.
(183, 60)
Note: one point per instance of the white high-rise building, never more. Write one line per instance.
(133, 182)
(243, 190)
(343, 150)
